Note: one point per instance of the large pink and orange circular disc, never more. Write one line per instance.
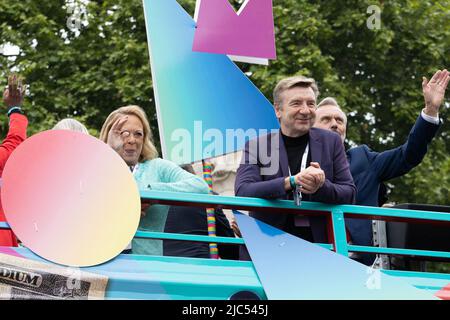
(70, 198)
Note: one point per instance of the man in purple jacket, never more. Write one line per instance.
(296, 157)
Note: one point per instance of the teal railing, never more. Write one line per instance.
(336, 214)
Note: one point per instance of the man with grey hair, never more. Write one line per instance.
(71, 125)
(330, 116)
(370, 169)
(310, 163)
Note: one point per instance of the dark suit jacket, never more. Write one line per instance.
(369, 169)
(326, 148)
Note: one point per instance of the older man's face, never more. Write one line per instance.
(296, 111)
(332, 118)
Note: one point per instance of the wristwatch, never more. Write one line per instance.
(15, 109)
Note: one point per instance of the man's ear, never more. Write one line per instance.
(277, 109)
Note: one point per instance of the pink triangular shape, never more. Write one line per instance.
(250, 34)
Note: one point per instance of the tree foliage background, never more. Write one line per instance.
(375, 74)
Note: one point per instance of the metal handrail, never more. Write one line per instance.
(337, 213)
(308, 208)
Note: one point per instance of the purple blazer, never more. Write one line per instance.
(259, 175)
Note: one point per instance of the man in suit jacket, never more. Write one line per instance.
(369, 168)
(296, 156)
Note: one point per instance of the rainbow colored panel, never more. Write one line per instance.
(201, 98)
(291, 268)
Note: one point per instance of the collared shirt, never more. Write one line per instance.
(433, 120)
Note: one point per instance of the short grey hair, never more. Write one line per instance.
(72, 125)
(330, 101)
(292, 82)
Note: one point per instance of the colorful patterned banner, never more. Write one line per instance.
(202, 99)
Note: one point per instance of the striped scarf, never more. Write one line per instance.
(210, 212)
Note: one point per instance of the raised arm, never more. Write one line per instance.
(17, 133)
(434, 92)
(398, 161)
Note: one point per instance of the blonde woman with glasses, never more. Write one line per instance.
(128, 132)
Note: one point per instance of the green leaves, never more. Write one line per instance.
(374, 74)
